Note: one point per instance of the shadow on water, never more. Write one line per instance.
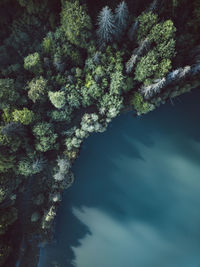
(136, 193)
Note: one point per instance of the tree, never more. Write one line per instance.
(140, 105)
(73, 99)
(117, 82)
(38, 164)
(157, 63)
(33, 63)
(45, 136)
(76, 23)
(12, 129)
(25, 168)
(58, 99)
(106, 26)
(63, 164)
(8, 94)
(121, 19)
(133, 30)
(37, 89)
(130, 63)
(146, 67)
(24, 116)
(153, 89)
(6, 162)
(173, 77)
(146, 22)
(137, 53)
(61, 115)
(110, 105)
(59, 176)
(162, 32)
(58, 63)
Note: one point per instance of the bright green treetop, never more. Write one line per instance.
(24, 116)
(76, 23)
(58, 99)
(37, 88)
(33, 63)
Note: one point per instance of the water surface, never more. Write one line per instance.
(136, 198)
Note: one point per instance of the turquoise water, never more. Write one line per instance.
(136, 198)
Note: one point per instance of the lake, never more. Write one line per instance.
(136, 198)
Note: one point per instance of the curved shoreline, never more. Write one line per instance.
(34, 248)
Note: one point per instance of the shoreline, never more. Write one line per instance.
(31, 257)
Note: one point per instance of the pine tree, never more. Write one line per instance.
(133, 30)
(106, 26)
(38, 165)
(96, 58)
(153, 89)
(76, 23)
(178, 74)
(121, 19)
(130, 64)
(137, 53)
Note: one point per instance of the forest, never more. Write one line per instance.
(67, 68)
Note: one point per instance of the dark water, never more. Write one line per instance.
(136, 198)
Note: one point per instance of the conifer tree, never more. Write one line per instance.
(76, 23)
(133, 30)
(121, 18)
(106, 26)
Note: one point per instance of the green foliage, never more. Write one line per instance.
(25, 168)
(162, 32)
(60, 49)
(47, 44)
(146, 22)
(45, 136)
(37, 89)
(166, 49)
(157, 62)
(76, 23)
(24, 116)
(7, 115)
(146, 67)
(117, 83)
(7, 162)
(110, 105)
(33, 63)
(8, 95)
(67, 74)
(58, 99)
(61, 115)
(140, 105)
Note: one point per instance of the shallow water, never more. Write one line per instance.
(136, 198)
